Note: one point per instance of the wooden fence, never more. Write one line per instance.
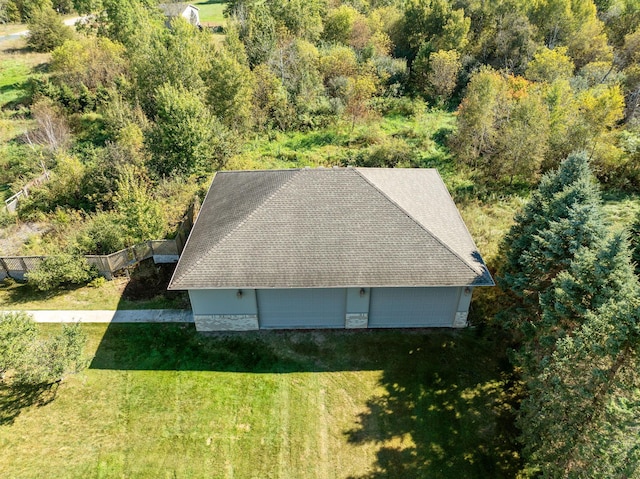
(11, 204)
(162, 251)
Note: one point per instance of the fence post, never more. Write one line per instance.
(4, 267)
(109, 268)
(107, 271)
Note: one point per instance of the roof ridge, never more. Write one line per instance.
(433, 235)
(238, 225)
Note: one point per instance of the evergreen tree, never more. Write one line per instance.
(579, 332)
(47, 30)
(563, 216)
(581, 417)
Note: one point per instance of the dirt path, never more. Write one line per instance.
(69, 22)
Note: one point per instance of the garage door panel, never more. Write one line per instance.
(301, 308)
(413, 307)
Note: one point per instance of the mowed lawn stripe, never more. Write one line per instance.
(161, 401)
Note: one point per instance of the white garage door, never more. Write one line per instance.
(301, 308)
(413, 307)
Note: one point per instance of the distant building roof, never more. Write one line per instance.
(174, 9)
(338, 227)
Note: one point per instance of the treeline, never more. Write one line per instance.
(535, 81)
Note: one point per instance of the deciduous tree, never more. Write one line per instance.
(442, 74)
(550, 65)
(35, 361)
(47, 31)
(89, 61)
(229, 92)
(184, 134)
(142, 217)
(17, 332)
(503, 127)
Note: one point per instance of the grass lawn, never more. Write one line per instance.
(13, 77)
(211, 11)
(144, 289)
(161, 401)
(17, 63)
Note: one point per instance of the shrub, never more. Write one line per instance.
(34, 361)
(50, 359)
(17, 331)
(6, 218)
(47, 31)
(98, 282)
(61, 270)
(102, 234)
(393, 152)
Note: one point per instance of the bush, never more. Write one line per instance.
(17, 332)
(34, 361)
(47, 31)
(6, 218)
(391, 153)
(50, 359)
(61, 270)
(101, 235)
(98, 282)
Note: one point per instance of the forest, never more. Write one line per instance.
(536, 103)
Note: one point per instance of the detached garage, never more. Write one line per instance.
(329, 248)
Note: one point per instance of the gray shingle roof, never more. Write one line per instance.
(329, 228)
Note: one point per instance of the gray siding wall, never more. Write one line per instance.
(224, 309)
(357, 314)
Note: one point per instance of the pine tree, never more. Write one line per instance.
(579, 331)
(581, 417)
(563, 216)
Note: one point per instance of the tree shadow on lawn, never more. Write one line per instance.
(16, 397)
(20, 292)
(448, 413)
(447, 401)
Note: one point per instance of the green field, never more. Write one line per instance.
(211, 11)
(13, 77)
(161, 401)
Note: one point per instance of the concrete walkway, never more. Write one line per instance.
(121, 316)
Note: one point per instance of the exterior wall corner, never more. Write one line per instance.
(462, 311)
